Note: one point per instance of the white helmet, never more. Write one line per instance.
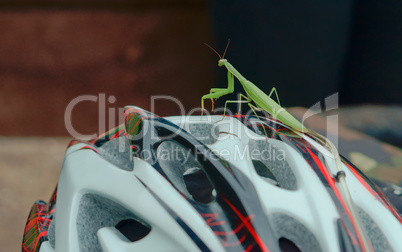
(207, 184)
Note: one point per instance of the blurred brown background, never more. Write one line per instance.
(50, 54)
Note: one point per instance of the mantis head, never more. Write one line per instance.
(222, 62)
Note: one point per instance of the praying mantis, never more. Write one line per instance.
(264, 102)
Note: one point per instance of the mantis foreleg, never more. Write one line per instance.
(215, 93)
(216, 90)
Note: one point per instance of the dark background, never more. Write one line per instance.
(311, 49)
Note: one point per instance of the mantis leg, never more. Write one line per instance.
(273, 90)
(215, 93)
(212, 96)
(253, 108)
(215, 90)
(248, 100)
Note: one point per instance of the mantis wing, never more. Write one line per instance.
(272, 107)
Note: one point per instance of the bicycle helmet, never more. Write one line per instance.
(210, 183)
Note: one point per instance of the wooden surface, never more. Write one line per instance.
(50, 56)
(29, 169)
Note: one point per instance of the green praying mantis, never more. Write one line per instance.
(264, 102)
(253, 93)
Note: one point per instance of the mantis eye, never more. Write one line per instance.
(222, 61)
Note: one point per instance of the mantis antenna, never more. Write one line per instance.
(227, 45)
(214, 50)
(220, 57)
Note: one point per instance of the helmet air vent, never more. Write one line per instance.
(96, 211)
(185, 172)
(293, 236)
(270, 162)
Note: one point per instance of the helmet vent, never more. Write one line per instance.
(287, 245)
(271, 163)
(293, 236)
(264, 172)
(374, 233)
(118, 152)
(185, 172)
(96, 212)
(206, 133)
(133, 230)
